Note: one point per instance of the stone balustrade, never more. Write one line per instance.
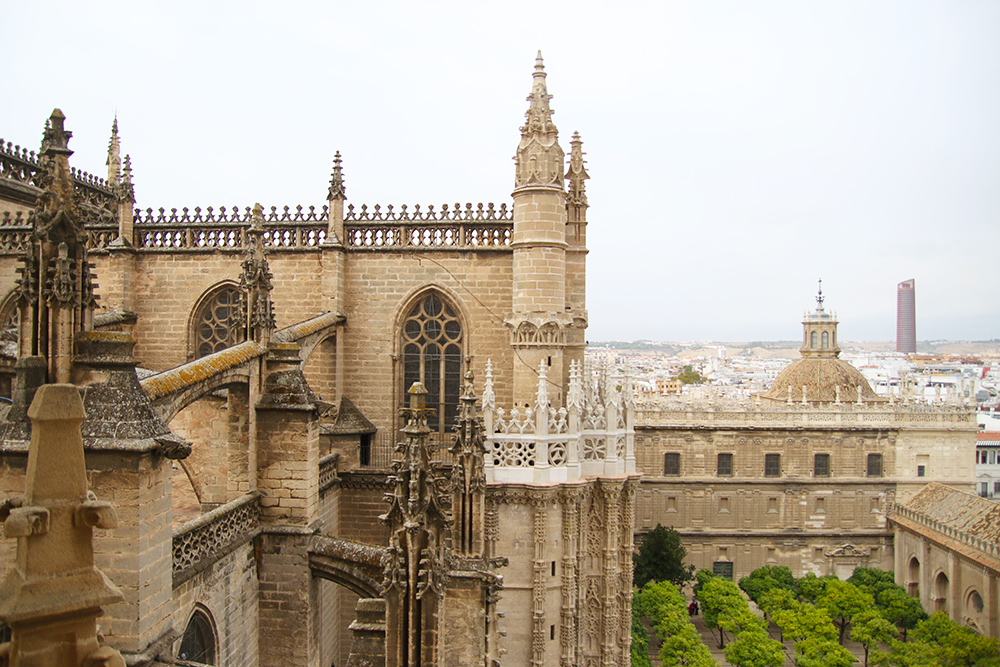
(215, 534)
(846, 414)
(593, 435)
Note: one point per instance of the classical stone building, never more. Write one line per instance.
(801, 475)
(947, 545)
(271, 403)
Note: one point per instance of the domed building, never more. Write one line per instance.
(820, 376)
(803, 475)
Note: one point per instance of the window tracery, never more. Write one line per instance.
(216, 325)
(198, 642)
(431, 339)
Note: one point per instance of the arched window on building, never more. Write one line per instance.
(826, 340)
(198, 642)
(215, 324)
(913, 578)
(812, 340)
(431, 343)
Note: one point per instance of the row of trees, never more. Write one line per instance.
(816, 613)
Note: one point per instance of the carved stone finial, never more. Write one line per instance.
(114, 162)
(576, 174)
(819, 297)
(55, 138)
(337, 188)
(489, 398)
(255, 282)
(126, 191)
(539, 159)
(542, 396)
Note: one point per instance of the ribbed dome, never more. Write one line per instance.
(821, 377)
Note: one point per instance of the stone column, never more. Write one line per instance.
(287, 465)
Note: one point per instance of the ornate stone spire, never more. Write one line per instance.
(468, 476)
(539, 159)
(114, 155)
(337, 189)
(55, 288)
(416, 569)
(258, 311)
(576, 174)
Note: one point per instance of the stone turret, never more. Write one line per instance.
(542, 315)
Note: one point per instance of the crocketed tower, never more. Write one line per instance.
(549, 319)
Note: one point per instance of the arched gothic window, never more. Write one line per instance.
(812, 340)
(431, 341)
(216, 325)
(198, 643)
(826, 340)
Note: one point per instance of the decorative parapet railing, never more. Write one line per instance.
(748, 413)
(987, 547)
(21, 166)
(594, 435)
(215, 534)
(328, 471)
(483, 227)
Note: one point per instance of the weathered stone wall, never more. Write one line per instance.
(948, 579)
(361, 503)
(796, 518)
(227, 590)
(206, 424)
(137, 554)
(566, 596)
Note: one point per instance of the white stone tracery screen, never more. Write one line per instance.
(432, 354)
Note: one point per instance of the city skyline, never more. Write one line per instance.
(737, 153)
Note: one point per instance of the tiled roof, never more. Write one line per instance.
(963, 511)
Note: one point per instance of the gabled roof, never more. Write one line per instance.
(349, 421)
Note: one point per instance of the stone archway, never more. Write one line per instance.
(913, 577)
(941, 592)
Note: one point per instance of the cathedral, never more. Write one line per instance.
(323, 436)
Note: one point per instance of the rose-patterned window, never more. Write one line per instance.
(431, 341)
(216, 325)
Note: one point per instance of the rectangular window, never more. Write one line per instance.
(996, 487)
(723, 569)
(725, 465)
(724, 505)
(772, 465)
(992, 456)
(874, 465)
(671, 463)
(821, 465)
(984, 489)
(671, 503)
(920, 471)
(772, 505)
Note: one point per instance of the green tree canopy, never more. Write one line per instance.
(755, 648)
(940, 642)
(688, 375)
(873, 580)
(810, 587)
(870, 628)
(901, 609)
(766, 578)
(822, 652)
(844, 601)
(661, 558)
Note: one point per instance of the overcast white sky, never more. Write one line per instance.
(737, 150)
